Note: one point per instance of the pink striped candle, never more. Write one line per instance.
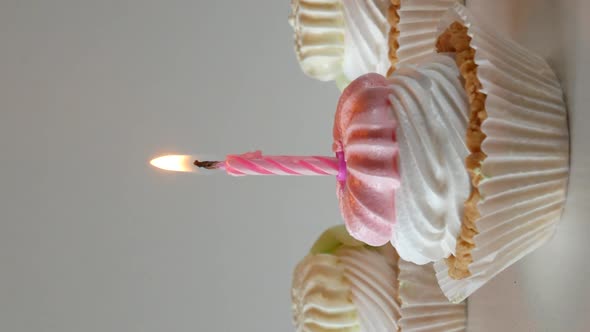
(254, 163)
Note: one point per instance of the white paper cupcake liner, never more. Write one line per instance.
(527, 147)
(418, 24)
(424, 307)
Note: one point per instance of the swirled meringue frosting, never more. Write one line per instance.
(341, 39)
(344, 285)
(404, 146)
(431, 108)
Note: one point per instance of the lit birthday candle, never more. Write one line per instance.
(254, 163)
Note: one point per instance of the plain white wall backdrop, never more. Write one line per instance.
(93, 238)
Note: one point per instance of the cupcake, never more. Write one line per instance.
(460, 158)
(345, 285)
(343, 39)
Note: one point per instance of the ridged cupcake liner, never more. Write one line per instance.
(417, 26)
(423, 305)
(526, 169)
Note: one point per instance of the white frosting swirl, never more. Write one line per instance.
(341, 39)
(431, 109)
(366, 37)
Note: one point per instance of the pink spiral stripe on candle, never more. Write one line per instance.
(256, 164)
(232, 171)
(281, 167)
(312, 168)
(248, 167)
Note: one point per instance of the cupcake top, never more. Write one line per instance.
(344, 285)
(404, 147)
(341, 39)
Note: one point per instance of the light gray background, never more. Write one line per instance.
(93, 239)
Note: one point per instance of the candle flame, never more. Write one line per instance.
(175, 163)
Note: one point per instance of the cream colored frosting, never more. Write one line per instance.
(343, 285)
(321, 296)
(431, 109)
(352, 289)
(319, 37)
(341, 39)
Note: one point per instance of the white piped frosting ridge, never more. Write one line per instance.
(366, 46)
(431, 109)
